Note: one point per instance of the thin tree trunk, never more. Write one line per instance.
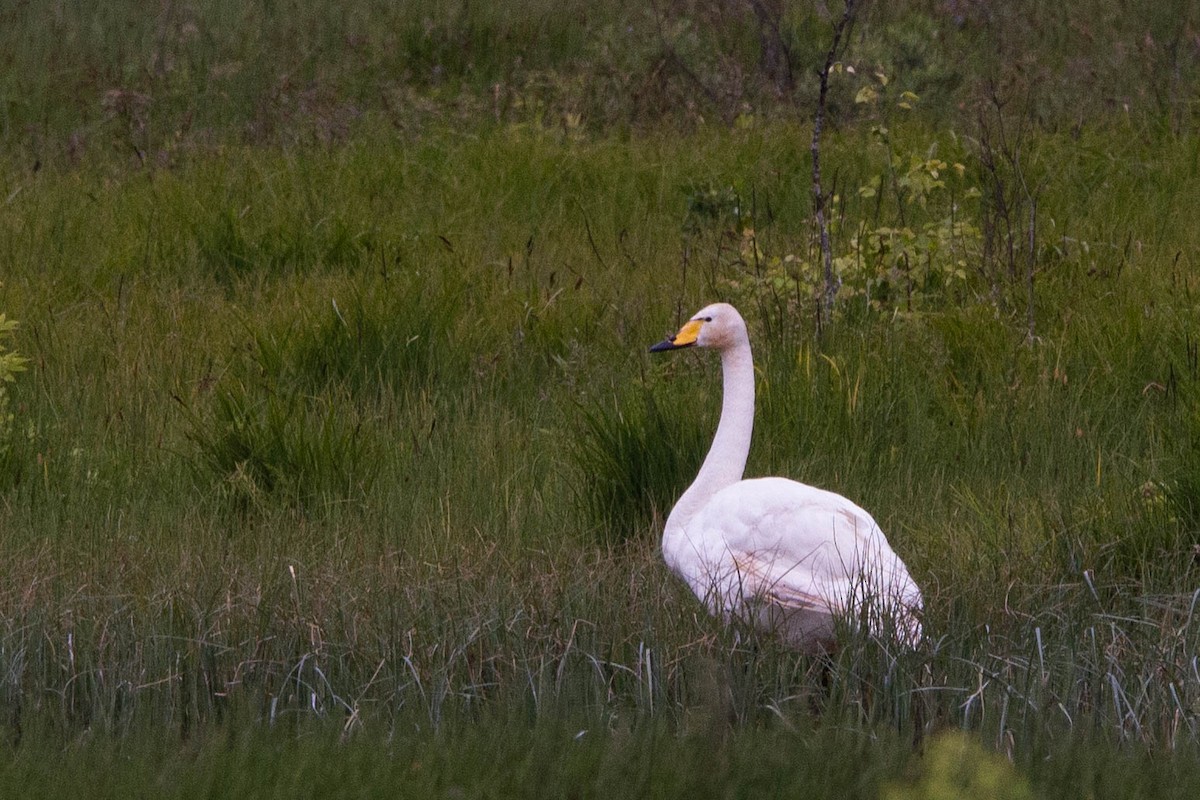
(832, 281)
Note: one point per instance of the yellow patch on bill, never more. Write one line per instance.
(688, 333)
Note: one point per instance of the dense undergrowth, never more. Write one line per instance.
(346, 450)
(157, 87)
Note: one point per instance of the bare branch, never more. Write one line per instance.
(832, 282)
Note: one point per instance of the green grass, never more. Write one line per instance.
(340, 460)
(159, 87)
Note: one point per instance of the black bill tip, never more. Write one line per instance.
(668, 344)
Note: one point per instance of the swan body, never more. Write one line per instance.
(786, 557)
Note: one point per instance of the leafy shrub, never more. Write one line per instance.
(910, 242)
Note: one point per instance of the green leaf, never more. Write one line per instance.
(866, 95)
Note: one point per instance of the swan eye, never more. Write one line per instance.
(708, 319)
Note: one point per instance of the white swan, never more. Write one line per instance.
(786, 557)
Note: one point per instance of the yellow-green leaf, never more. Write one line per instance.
(866, 95)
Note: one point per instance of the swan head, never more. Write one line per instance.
(718, 326)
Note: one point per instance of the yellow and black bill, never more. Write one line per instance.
(685, 338)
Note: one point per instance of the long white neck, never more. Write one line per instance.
(726, 460)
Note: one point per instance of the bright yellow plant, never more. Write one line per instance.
(956, 766)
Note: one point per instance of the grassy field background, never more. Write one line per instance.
(338, 461)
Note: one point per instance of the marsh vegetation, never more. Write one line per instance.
(337, 457)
